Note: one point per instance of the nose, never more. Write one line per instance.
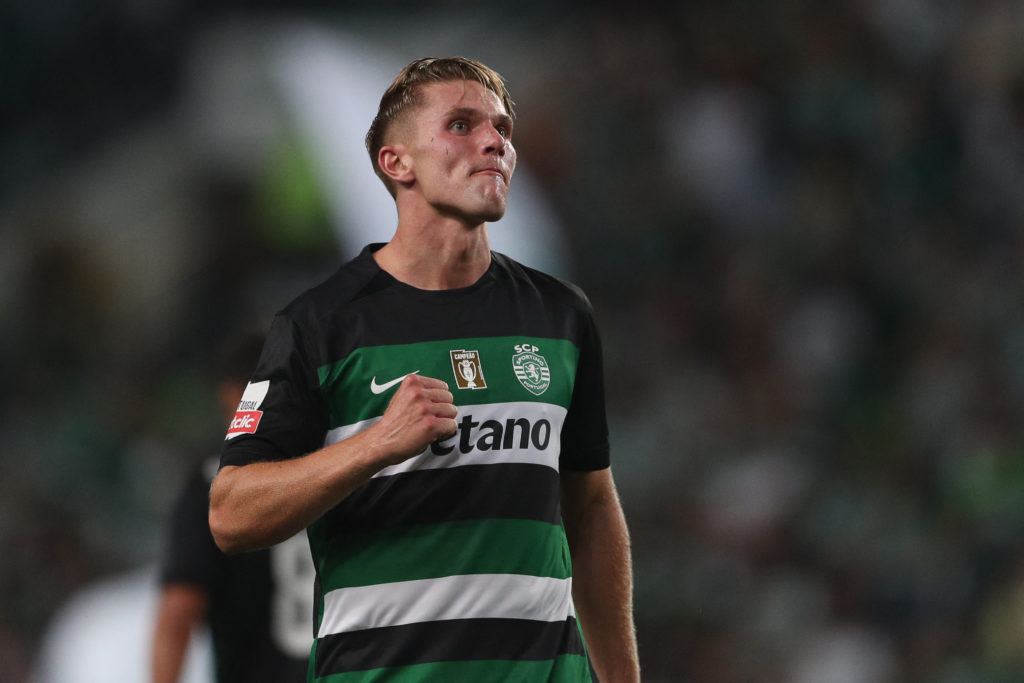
(495, 142)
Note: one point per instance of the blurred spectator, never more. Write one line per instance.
(258, 605)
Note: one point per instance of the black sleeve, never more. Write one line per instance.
(190, 555)
(585, 432)
(282, 414)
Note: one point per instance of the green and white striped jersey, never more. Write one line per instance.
(453, 565)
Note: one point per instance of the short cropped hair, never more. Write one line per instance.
(404, 94)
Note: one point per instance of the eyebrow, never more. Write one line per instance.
(470, 112)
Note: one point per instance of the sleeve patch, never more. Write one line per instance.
(248, 415)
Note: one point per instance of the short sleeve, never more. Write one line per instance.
(585, 432)
(282, 413)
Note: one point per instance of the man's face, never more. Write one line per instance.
(458, 142)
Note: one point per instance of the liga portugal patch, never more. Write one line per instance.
(247, 417)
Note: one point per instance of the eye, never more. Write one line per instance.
(459, 126)
(504, 127)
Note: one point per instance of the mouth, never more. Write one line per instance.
(491, 170)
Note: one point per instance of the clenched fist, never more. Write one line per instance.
(420, 412)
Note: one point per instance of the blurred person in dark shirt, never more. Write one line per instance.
(258, 605)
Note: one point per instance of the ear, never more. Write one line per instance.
(395, 164)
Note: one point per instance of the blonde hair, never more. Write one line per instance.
(404, 94)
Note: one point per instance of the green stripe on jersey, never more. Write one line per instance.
(509, 369)
(490, 546)
(562, 669)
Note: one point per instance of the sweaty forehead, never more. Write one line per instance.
(446, 95)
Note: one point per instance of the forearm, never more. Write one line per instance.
(169, 646)
(261, 504)
(603, 588)
(180, 610)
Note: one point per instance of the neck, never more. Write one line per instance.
(441, 255)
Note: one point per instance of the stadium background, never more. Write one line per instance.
(800, 224)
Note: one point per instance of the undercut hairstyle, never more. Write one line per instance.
(403, 95)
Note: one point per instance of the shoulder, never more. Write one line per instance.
(555, 290)
(352, 281)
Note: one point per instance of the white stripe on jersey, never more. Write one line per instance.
(471, 596)
(500, 413)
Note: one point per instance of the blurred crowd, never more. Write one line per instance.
(800, 225)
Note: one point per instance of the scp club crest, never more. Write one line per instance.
(531, 369)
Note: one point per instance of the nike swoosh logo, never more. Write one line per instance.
(381, 388)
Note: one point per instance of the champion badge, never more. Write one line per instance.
(469, 373)
(531, 369)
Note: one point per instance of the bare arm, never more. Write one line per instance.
(181, 609)
(602, 573)
(265, 503)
